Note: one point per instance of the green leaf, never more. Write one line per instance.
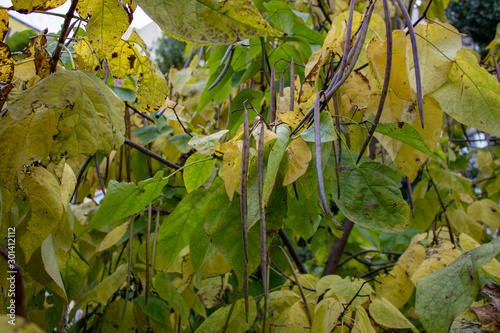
(237, 322)
(176, 229)
(370, 197)
(195, 175)
(208, 22)
(443, 295)
(280, 16)
(156, 308)
(169, 293)
(274, 161)
(20, 40)
(149, 133)
(124, 199)
(303, 214)
(64, 115)
(326, 129)
(448, 179)
(181, 142)
(406, 133)
(471, 95)
(125, 94)
(206, 145)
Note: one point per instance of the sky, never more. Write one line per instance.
(42, 21)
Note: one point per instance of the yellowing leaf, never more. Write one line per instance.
(237, 321)
(47, 208)
(6, 64)
(377, 55)
(437, 257)
(345, 290)
(208, 22)
(357, 90)
(231, 167)
(50, 261)
(27, 6)
(293, 320)
(126, 59)
(4, 23)
(108, 22)
(113, 237)
(362, 322)
(409, 159)
(437, 44)
(66, 114)
(485, 211)
(85, 56)
(467, 243)
(471, 95)
(465, 224)
(299, 156)
(388, 316)
(206, 145)
(326, 315)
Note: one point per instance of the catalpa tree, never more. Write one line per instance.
(316, 166)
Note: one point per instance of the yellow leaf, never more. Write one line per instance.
(268, 135)
(467, 243)
(6, 64)
(27, 6)
(21, 325)
(465, 224)
(108, 22)
(293, 320)
(485, 211)
(216, 265)
(437, 258)
(231, 167)
(299, 157)
(357, 91)
(326, 315)
(85, 57)
(50, 262)
(152, 90)
(47, 208)
(113, 237)
(377, 55)
(4, 24)
(208, 22)
(408, 158)
(362, 322)
(397, 286)
(345, 290)
(437, 44)
(388, 316)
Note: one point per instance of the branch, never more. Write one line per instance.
(293, 252)
(151, 154)
(337, 249)
(62, 37)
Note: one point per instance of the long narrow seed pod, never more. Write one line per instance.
(317, 146)
(292, 84)
(416, 62)
(263, 247)
(148, 231)
(155, 239)
(224, 70)
(98, 173)
(228, 51)
(387, 77)
(245, 154)
(273, 94)
(190, 57)
(410, 196)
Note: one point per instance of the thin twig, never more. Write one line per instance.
(151, 154)
(293, 252)
(245, 154)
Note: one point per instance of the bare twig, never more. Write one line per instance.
(151, 154)
(62, 37)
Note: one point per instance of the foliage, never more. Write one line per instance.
(170, 53)
(309, 168)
